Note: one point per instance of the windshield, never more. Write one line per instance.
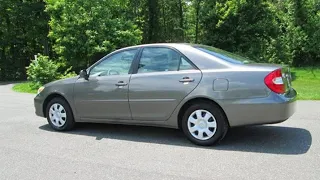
(224, 55)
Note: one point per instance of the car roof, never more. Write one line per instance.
(174, 45)
(187, 49)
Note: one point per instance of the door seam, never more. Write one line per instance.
(128, 96)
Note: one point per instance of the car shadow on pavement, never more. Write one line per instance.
(260, 139)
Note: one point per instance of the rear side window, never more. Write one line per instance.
(158, 59)
(224, 55)
(185, 65)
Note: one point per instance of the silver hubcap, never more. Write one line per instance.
(57, 115)
(202, 124)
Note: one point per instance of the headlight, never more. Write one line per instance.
(40, 89)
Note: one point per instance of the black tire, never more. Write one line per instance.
(69, 120)
(221, 123)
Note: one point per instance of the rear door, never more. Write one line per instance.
(164, 77)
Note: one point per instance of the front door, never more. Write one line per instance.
(105, 94)
(164, 78)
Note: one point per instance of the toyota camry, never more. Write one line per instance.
(199, 89)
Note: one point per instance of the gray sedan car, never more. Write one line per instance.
(200, 89)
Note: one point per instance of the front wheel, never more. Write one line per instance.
(59, 115)
(204, 123)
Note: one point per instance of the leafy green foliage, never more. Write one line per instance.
(298, 33)
(85, 30)
(42, 71)
(239, 26)
(76, 33)
(23, 33)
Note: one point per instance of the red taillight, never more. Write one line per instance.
(274, 81)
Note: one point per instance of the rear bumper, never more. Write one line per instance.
(272, 109)
(38, 105)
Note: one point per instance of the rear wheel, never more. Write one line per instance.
(204, 123)
(59, 115)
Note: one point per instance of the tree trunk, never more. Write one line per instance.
(46, 43)
(153, 21)
(165, 36)
(2, 67)
(197, 19)
(181, 20)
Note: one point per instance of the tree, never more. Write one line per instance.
(82, 31)
(297, 42)
(23, 33)
(238, 26)
(197, 9)
(85, 30)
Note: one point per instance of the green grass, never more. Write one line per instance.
(25, 87)
(307, 83)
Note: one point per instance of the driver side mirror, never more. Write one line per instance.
(84, 74)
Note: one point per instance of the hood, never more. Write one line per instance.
(62, 81)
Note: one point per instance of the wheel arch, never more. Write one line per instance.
(49, 98)
(188, 103)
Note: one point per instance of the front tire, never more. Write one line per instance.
(204, 123)
(59, 115)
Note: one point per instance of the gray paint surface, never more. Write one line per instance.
(156, 98)
(29, 149)
(101, 98)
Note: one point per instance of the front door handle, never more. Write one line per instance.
(121, 83)
(186, 79)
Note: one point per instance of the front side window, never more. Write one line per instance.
(158, 60)
(117, 64)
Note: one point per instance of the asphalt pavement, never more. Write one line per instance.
(29, 149)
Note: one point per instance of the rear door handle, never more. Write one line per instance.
(121, 83)
(186, 79)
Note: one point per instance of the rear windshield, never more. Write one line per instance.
(224, 55)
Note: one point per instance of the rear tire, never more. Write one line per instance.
(59, 115)
(204, 123)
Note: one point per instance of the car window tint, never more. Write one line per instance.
(117, 64)
(185, 65)
(224, 55)
(158, 60)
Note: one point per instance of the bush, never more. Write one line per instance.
(43, 70)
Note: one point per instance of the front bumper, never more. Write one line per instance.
(38, 105)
